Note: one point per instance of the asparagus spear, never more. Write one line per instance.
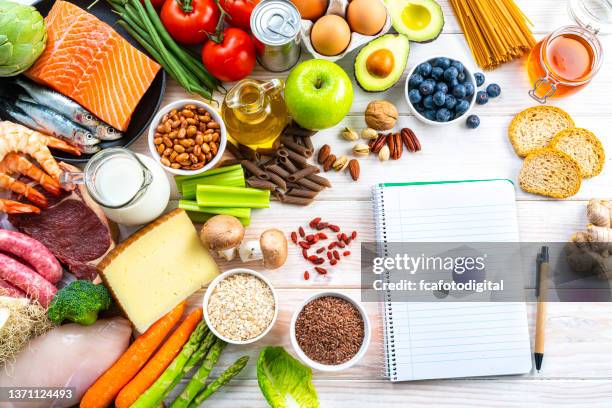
(223, 379)
(193, 360)
(151, 397)
(198, 381)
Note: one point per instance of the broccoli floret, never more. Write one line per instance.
(79, 302)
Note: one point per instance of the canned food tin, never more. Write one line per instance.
(276, 26)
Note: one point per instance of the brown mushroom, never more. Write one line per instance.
(222, 234)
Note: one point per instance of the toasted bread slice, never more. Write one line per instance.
(535, 127)
(551, 173)
(584, 147)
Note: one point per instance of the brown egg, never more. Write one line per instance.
(366, 17)
(311, 9)
(330, 35)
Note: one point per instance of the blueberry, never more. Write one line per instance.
(426, 87)
(415, 81)
(452, 84)
(450, 102)
(458, 65)
(430, 114)
(424, 69)
(493, 90)
(414, 96)
(461, 77)
(482, 98)
(437, 73)
(469, 88)
(419, 107)
(459, 91)
(442, 62)
(480, 79)
(451, 73)
(472, 121)
(443, 115)
(441, 87)
(428, 102)
(462, 107)
(439, 98)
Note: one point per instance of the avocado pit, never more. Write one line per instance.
(380, 63)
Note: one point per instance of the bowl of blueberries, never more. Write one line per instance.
(440, 90)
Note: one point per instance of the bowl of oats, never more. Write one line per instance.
(240, 306)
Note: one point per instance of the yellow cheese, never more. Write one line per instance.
(156, 268)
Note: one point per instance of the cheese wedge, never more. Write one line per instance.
(156, 268)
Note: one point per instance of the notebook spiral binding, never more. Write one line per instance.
(390, 368)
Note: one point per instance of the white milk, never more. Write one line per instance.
(119, 179)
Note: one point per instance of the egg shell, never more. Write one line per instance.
(311, 9)
(366, 17)
(330, 35)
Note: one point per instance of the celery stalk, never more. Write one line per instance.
(194, 207)
(220, 196)
(230, 179)
(203, 217)
(219, 170)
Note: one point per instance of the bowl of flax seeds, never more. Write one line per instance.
(330, 331)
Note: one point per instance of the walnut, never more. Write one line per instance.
(381, 115)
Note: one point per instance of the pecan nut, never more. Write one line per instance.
(377, 144)
(324, 153)
(395, 145)
(329, 162)
(410, 140)
(354, 170)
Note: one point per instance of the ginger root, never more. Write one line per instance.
(590, 251)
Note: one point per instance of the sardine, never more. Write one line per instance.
(55, 124)
(70, 109)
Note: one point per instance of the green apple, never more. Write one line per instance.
(318, 94)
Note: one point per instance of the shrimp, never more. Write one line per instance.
(23, 189)
(15, 207)
(15, 163)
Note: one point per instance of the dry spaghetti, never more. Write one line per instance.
(496, 30)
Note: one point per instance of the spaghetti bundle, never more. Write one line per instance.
(496, 30)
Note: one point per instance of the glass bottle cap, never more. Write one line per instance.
(594, 15)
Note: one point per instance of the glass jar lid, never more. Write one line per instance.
(594, 15)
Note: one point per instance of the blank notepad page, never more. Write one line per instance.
(426, 340)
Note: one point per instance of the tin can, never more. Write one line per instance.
(275, 24)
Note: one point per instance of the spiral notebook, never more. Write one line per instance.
(427, 340)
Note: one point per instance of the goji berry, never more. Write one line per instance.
(333, 262)
(319, 261)
(322, 235)
(322, 225)
(302, 233)
(333, 227)
(294, 237)
(346, 253)
(314, 222)
(329, 255)
(305, 253)
(313, 258)
(322, 271)
(320, 250)
(354, 235)
(304, 244)
(332, 245)
(340, 244)
(306, 275)
(336, 254)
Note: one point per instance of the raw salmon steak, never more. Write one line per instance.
(88, 61)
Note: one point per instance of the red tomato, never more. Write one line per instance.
(239, 12)
(190, 21)
(233, 58)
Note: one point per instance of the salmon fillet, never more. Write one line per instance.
(88, 61)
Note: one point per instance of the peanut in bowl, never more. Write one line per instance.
(187, 136)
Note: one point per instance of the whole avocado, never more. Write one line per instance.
(79, 302)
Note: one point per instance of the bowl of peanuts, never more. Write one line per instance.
(187, 137)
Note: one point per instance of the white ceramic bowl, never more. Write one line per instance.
(422, 118)
(325, 367)
(211, 288)
(179, 104)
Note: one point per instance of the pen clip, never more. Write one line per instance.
(543, 257)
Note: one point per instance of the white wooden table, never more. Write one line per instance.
(577, 369)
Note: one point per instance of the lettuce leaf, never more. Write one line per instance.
(284, 381)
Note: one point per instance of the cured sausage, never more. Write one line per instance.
(23, 277)
(7, 289)
(33, 252)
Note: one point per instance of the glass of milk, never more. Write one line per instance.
(131, 188)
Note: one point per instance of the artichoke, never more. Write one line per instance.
(22, 37)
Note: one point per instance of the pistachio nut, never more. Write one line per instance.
(361, 149)
(340, 163)
(384, 153)
(349, 134)
(369, 133)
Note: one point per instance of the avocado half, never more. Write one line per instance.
(420, 20)
(396, 47)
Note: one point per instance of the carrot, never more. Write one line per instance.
(158, 363)
(102, 393)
